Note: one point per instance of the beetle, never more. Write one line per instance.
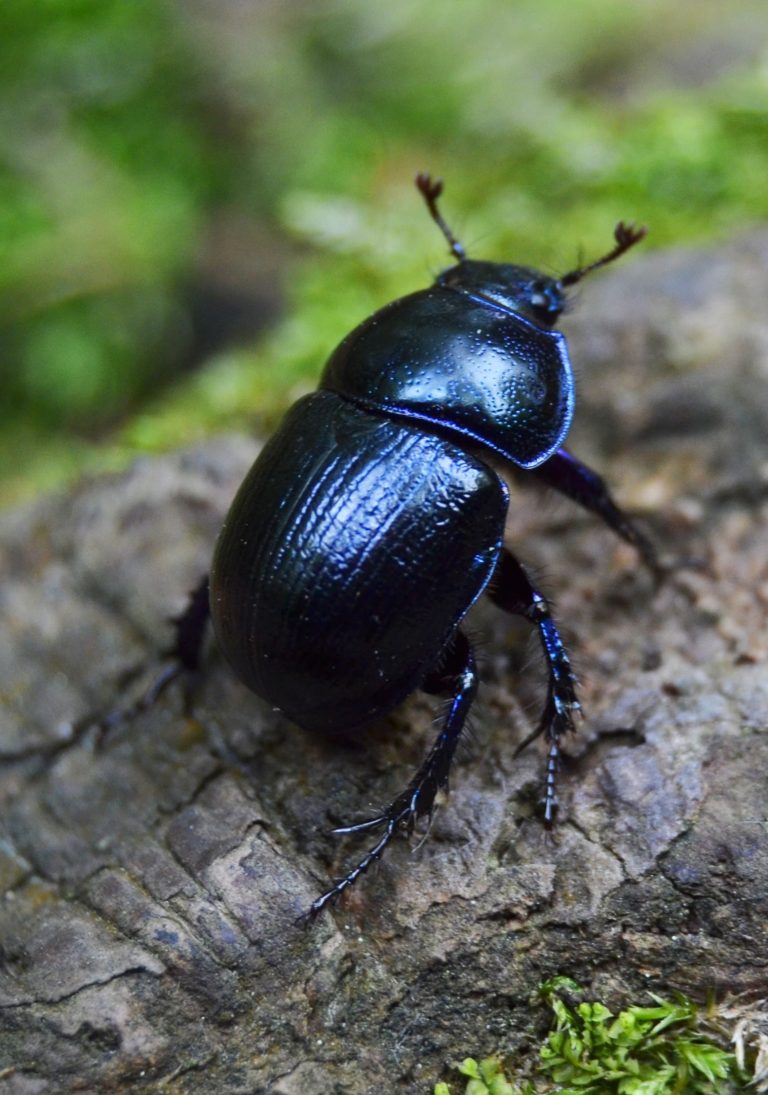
(373, 519)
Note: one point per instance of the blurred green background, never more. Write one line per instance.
(199, 198)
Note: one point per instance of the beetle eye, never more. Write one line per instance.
(540, 296)
(545, 300)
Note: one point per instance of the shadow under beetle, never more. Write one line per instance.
(371, 521)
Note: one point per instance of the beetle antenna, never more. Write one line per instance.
(626, 236)
(431, 189)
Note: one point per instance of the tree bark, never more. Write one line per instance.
(152, 885)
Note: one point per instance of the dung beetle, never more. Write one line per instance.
(373, 519)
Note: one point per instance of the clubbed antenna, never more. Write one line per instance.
(626, 236)
(431, 189)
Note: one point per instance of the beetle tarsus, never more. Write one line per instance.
(182, 658)
(550, 795)
(458, 676)
(511, 590)
(361, 826)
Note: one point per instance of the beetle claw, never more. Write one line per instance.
(361, 826)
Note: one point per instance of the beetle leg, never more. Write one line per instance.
(183, 656)
(457, 676)
(190, 627)
(584, 486)
(511, 589)
(184, 653)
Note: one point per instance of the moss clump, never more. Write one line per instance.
(673, 1047)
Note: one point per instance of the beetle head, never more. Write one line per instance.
(515, 288)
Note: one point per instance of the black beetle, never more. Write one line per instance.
(372, 520)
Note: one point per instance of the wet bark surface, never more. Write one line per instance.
(151, 886)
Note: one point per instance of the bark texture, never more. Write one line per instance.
(151, 887)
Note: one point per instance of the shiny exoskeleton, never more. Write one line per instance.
(372, 520)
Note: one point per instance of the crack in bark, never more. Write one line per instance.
(41, 1001)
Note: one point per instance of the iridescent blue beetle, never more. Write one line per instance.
(372, 520)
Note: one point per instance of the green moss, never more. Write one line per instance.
(673, 1047)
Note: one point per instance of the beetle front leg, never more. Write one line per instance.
(456, 676)
(511, 589)
(588, 489)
